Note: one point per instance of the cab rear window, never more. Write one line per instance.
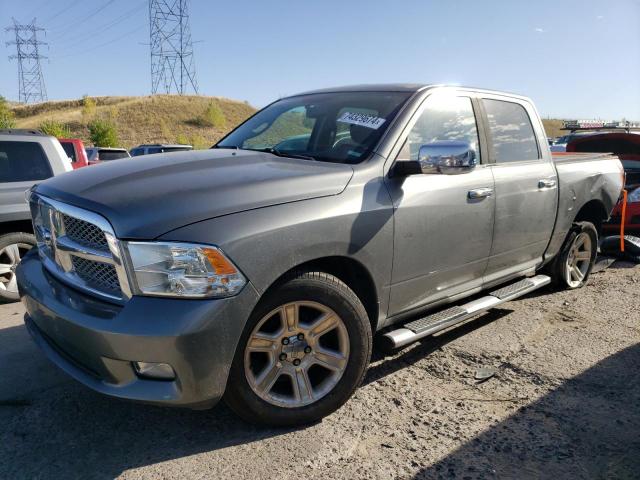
(106, 155)
(23, 162)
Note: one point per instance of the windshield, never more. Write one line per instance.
(333, 127)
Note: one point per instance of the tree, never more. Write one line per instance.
(55, 129)
(103, 133)
(6, 114)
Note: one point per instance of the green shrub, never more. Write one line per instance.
(55, 129)
(103, 133)
(88, 108)
(182, 139)
(6, 115)
(199, 143)
(214, 116)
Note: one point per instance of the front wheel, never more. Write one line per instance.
(573, 265)
(303, 353)
(13, 246)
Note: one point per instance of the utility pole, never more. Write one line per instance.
(172, 64)
(30, 78)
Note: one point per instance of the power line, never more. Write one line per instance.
(63, 11)
(80, 37)
(82, 20)
(119, 37)
(172, 63)
(30, 79)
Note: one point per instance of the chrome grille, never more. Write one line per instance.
(80, 248)
(97, 274)
(84, 233)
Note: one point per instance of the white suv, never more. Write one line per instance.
(26, 157)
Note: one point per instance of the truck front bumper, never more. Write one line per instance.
(97, 342)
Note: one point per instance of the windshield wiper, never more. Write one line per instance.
(229, 147)
(280, 153)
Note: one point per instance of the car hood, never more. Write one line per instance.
(147, 196)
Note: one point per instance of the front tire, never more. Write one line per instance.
(303, 352)
(13, 246)
(573, 265)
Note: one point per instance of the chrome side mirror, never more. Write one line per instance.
(448, 157)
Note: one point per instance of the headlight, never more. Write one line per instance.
(634, 197)
(182, 270)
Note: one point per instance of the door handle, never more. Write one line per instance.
(477, 193)
(546, 183)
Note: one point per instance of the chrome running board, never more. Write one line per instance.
(423, 327)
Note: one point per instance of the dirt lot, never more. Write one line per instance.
(565, 404)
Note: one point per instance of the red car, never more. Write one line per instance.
(75, 151)
(627, 147)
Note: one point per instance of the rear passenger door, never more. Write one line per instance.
(526, 186)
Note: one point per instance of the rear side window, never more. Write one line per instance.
(153, 150)
(444, 118)
(512, 136)
(70, 151)
(23, 162)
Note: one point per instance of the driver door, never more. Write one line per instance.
(442, 236)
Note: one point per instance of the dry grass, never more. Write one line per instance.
(152, 119)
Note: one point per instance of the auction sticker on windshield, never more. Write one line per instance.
(362, 119)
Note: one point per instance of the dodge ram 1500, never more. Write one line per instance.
(260, 270)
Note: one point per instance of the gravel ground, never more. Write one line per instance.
(565, 403)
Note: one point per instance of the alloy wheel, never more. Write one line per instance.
(10, 257)
(296, 354)
(578, 259)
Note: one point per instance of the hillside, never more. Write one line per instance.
(552, 127)
(151, 119)
(155, 119)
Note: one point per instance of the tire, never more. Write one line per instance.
(572, 266)
(12, 247)
(288, 384)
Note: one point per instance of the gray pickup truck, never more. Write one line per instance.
(260, 270)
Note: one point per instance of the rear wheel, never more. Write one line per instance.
(13, 246)
(573, 265)
(303, 353)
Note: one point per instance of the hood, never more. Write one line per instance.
(144, 197)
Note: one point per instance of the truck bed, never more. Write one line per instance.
(562, 157)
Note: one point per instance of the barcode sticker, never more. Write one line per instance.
(361, 119)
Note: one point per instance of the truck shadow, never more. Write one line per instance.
(412, 354)
(62, 429)
(586, 428)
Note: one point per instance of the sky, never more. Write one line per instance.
(577, 59)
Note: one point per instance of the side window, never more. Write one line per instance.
(70, 150)
(512, 136)
(444, 118)
(23, 162)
